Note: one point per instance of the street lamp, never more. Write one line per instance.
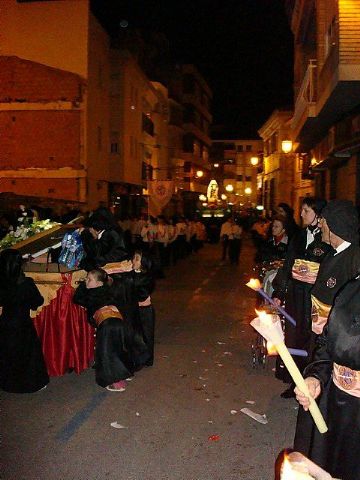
(202, 198)
(286, 146)
(223, 196)
(254, 161)
(199, 174)
(216, 165)
(248, 191)
(229, 188)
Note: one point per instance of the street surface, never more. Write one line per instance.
(182, 416)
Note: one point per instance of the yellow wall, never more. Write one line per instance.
(52, 33)
(97, 141)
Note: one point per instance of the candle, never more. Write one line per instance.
(270, 328)
(297, 458)
(290, 473)
(271, 350)
(255, 284)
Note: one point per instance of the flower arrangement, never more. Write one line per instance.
(23, 232)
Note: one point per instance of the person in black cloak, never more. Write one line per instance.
(113, 362)
(101, 241)
(339, 228)
(144, 285)
(22, 365)
(291, 226)
(334, 376)
(294, 281)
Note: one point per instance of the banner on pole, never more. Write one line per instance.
(160, 193)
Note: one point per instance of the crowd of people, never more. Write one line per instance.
(122, 259)
(315, 276)
(317, 281)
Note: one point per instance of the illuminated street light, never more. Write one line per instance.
(223, 196)
(248, 191)
(216, 165)
(286, 146)
(204, 204)
(199, 174)
(202, 198)
(254, 161)
(229, 188)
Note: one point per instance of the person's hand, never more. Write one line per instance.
(93, 232)
(277, 301)
(314, 387)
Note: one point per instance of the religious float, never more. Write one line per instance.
(66, 336)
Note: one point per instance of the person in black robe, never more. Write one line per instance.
(22, 365)
(102, 243)
(276, 246)
(113, 356)
(144, 285)
(339, 228)
(334, 376)
(294, 281)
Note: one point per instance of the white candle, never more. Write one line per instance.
(290, 473)
(270, 328)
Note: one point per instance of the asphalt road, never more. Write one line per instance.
(181, 418)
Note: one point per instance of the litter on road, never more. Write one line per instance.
(256, 416)
(117, 425)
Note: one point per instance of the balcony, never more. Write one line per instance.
(305, 104)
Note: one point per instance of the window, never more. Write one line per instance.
(248, 148)
(229, 146)
(114, 147)
(248, 178)
(147, 125)
(114, 142)
(330, 36)
(239, 178)
(240, 148)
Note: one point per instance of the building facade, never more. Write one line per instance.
(326, 122)
(237, 163)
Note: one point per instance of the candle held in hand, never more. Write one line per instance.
(270, 328)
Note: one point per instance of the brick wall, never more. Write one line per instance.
(23, 80)
(38, 138)
(64, 189)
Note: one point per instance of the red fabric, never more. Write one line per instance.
(66, 336)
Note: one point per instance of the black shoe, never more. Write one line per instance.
(288, 393)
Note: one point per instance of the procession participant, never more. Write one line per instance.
(235, 233)
(113, 363)
(180, 243)
(161, 244)
(144, 286)
(275, 248)
(102, 243)
(295, 279)
(339, 227)
(224, 237)
(22, 365)
(286, 211)
(335, 375)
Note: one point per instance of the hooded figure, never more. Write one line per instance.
(342, 219)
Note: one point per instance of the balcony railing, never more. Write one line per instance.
(307, 94)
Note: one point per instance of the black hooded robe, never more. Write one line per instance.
(338, 450)
(22, 364)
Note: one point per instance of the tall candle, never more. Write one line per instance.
(271, 330)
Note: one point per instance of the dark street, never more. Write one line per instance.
(181, 417)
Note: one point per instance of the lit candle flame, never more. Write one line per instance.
(254, 284)
(271, 349)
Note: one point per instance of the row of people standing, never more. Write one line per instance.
(317, 278)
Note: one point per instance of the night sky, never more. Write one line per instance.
(243, 48)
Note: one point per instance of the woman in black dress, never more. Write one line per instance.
(295, 280)
(22, 365)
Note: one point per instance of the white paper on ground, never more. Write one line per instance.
(117, 425)
(256, 416)
(250, 402)
(233, 412)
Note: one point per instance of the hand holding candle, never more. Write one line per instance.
(270, 328)
(255, 285)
